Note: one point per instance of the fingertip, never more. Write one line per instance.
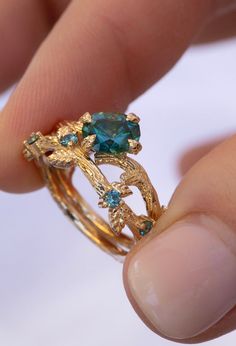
(20, 179)
(194, 154)
(173, 282)
(16, 174)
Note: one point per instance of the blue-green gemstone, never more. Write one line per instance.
(112, 198)
(69, 138)
(112, 132)
(32, 139)
(147, 228)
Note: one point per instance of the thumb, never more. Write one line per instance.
(181, 279)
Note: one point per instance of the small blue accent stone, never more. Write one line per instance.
(112, 131)
(70, 137)
(32, 139)
(147, 228)
(112, 198)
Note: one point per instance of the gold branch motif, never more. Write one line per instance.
(61, 158)
(67, 148)
(116, 218)
(134, 175)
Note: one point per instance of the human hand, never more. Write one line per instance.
(100, 55)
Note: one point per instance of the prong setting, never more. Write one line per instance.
(86, 118)
(134, 146)
(102, 203)
(31, 149)
(133, 117)
(87, 144)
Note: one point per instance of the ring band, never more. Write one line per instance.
(94, 140)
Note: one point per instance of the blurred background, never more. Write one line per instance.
(56, 287)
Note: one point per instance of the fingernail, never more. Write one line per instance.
(184, 280)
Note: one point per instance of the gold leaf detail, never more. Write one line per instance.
(87, 143)
(86, 118)
(62, 158)
(130, 178)
(122, 188)
(102, 203)
(116, 218)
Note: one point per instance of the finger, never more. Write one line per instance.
(192, 155)
(20, 35)
(182, 282)
(99, 56)
(219, 28)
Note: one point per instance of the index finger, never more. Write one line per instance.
(99, 57)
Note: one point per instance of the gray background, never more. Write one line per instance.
(58, 289)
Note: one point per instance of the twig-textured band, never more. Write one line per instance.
(93, 140)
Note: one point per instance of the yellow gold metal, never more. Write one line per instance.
(134, 146)
(57, 163)
(87, 144)
(86, 118)
(133, 117)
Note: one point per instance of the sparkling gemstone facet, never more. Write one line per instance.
(32, 139)
(147, 227)
(112, 132)
(69, 138)
(112, 198)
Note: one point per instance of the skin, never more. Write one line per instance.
(55, 52)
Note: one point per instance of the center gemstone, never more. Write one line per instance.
(112, 132)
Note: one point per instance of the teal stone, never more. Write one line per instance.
(69, 138)
(32, 139)
(112, 132)
(147, 228)
(112, 198)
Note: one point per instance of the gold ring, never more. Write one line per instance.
(93, 140)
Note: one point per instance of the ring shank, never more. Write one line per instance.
(59, 153)
(86, 220)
